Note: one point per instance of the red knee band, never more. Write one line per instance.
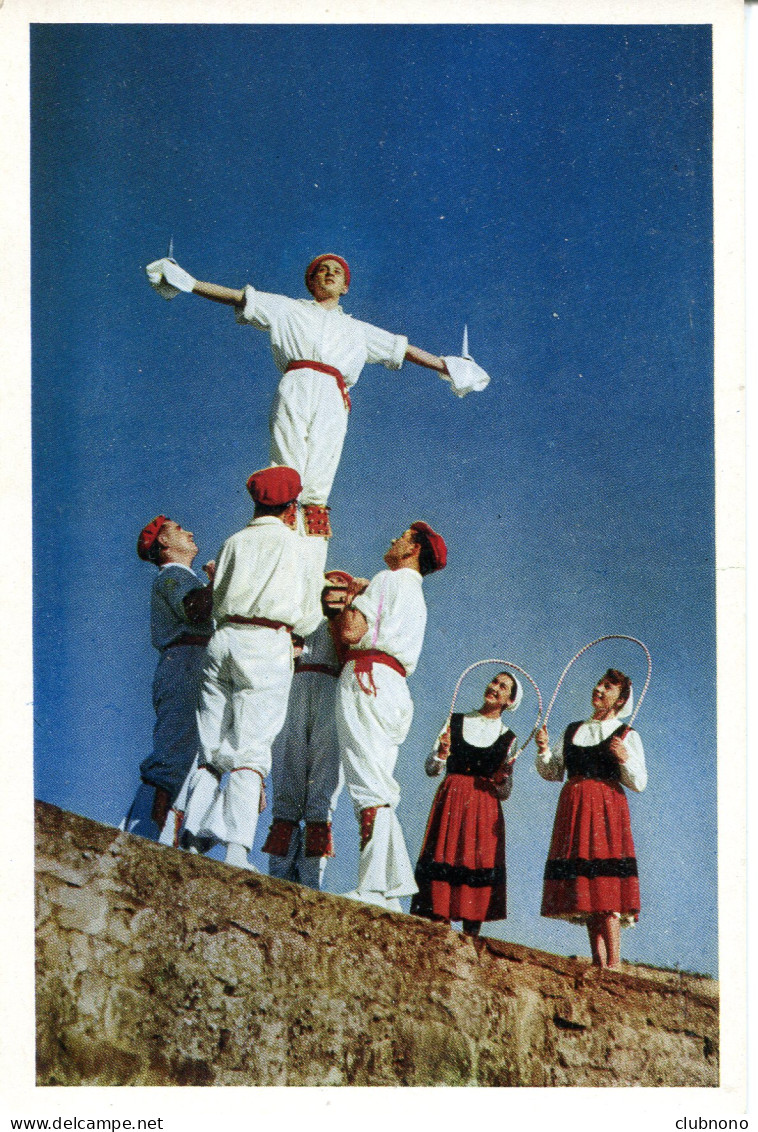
(279, 836)
(318, 839)
(368, 817)
(161, 806)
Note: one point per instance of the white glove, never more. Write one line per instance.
(465, 376)
(168, 278)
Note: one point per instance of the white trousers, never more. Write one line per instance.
(371, 729)
(243, 699)
(308, 423)
(243, 703)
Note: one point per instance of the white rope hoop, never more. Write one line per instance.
(608, 637)
(505, 664)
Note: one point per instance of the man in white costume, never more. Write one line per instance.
(382, 632)
(320, 352)
(306, 772)
(265, 590)
(180, 628)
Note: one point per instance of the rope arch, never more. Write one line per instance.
(607, 637)
(506, 664)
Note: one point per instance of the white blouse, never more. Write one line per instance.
(592, 732)
(478, 730)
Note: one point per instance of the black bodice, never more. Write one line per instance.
(479, 762)
(590, 762)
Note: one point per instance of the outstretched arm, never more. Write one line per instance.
(422, 358)
(219, 294)
(169, 279)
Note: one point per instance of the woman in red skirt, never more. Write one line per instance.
(591, 871)
(461, 870)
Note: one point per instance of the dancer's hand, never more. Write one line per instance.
(542, 739)
(357, 586)
(443, 749)
(619, 750)
(168, 278)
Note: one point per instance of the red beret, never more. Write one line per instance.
(148, 535)
(436, 542)
(320, 259)
(273, 487)
(339, 577)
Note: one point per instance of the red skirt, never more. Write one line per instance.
(461, 869)
(592, 865)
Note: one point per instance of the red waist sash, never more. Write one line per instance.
(365, 659)
(330, 370)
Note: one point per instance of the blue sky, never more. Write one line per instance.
(548, 186)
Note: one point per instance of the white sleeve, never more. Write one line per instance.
(634, 771)
(383, 347)
(550, 765)
(260, 308)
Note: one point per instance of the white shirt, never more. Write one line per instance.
(478, 730)
(395, 611)
(590, 734)
(261, 571)
(304, 330)
(168, 619)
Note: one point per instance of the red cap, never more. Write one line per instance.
(273, 487)
(320, 259)
(341, 577)
(436, 542)
(148, 535)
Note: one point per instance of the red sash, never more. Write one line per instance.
(365, 659)
(321, 368)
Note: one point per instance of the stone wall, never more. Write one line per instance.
(158, 968)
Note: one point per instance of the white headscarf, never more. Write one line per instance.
(519, 692)
(627, 708)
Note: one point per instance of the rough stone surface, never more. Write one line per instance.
(160, 968)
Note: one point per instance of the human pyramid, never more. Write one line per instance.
(276, 661)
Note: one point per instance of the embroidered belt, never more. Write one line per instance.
(321, 368)
(327, 669)
(262, 621)
(188, 639)
(365, 659)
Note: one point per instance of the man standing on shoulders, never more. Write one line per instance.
(265, 590)
(307, 773)
(180, 628)
(320, 351)
(382, 632)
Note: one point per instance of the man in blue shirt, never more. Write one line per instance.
(180, 627)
